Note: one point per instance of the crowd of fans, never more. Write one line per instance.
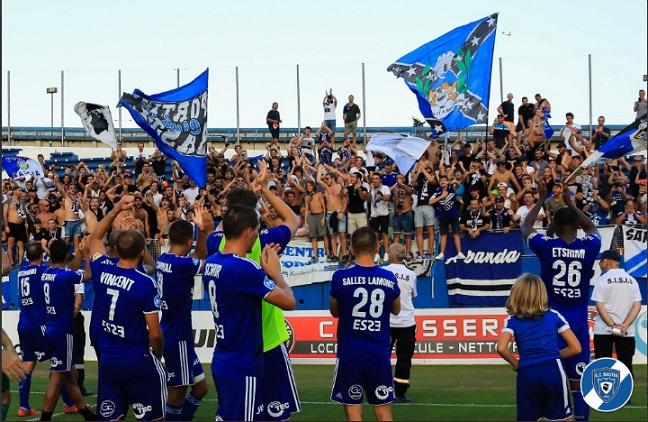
(464, 188)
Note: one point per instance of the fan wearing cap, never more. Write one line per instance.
(505, 192)
(618, 302)
(501, 217)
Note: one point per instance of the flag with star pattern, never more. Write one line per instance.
(451, 75)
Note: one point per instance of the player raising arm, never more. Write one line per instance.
(567, 266)
(131, 340)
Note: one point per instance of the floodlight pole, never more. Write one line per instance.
(51, 91)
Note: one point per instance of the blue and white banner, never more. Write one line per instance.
(177, 120)
(635, 249)
(631, 138)
(451, 75)
(484, 278)
(17, 167)
(298, 271)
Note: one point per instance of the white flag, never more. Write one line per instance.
(405, 150)
(97, 122)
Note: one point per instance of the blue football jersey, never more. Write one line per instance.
(122, 297)
(447, 207)
(566, 270)
(279, 235)
(365, 296)
(32, 299)
(236, 288)
(536, 338)
(58, 293)
(175, 280)
(95, 321)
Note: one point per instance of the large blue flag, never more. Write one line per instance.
(631, 138)
(177, 120)
(450, 75)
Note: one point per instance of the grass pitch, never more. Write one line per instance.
(438, 392)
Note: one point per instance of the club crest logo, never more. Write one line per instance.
(606, 383)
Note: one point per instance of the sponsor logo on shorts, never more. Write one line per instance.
(355, 392)
(56, 362)
(139, 410)
(276, 409)
(580, 367)
(170, 375)
(382, 391)
(39, 355)
(606, 384)
(107, 408)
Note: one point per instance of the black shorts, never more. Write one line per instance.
(380, 224)
(18, 231)
(274, 133)
(445, 222)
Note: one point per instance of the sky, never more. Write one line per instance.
(90, 42)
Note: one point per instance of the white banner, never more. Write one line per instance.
(298, 271)
(634, 254)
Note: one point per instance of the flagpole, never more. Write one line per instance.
(298, 105)
(62, 109)
(178, 77)
(589, 65)
(238, 114)
(119, 88)
(501, 81)
(364, 103)
(9, 107)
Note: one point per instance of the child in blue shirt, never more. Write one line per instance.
(541, 381)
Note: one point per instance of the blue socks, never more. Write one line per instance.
(24, 387)
(190, 407)
(173, 413)
(581, 409)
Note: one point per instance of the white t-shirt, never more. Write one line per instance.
(191, 194)
(329, 110)
(618, 291)
(44, 186)
(524, 210)
(379, 207)
(567, 132)
(407, 283)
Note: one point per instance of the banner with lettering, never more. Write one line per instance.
(298, 271)
(177, 120)
(492, 264)
(634, 253)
